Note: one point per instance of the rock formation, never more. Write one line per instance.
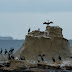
(49, 43)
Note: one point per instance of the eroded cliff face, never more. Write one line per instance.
(49, 43)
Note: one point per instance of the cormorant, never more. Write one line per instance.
(71, 57)
(11, 50)
(42, 56)
(1, 51)
(29, 30)
(12, 57)
(59, 57)
(51, 22)
(6, 51)
(53, 59)
(48, 22)
(38, 60)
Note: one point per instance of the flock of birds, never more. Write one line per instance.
(48, 23)
(53, 59)
(8, 53)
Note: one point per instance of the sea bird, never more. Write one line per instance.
(38, 60)
(59, 57)
(6, 51)
(42, 56)
(48, 22)
(28, 30)
(53, 59)
(1, 51)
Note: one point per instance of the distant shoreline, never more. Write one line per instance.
(8, 38)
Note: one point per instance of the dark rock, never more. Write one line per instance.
(6, 64)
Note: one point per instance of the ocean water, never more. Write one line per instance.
(8, 44)
(16, 44)
(70, 41)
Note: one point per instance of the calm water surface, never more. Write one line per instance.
(8, 44)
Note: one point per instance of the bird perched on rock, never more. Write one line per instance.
(59, 57)
(71, 57)
(38, 60)
(1, 51)
(6, 51)
(29, 30)
(53, 59)
(42, 56)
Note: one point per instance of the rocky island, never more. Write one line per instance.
(42, 51)
(50, 42)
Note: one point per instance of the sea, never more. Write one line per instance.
(16, 44)
(8, 44)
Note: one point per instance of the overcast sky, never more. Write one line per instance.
(16, 16)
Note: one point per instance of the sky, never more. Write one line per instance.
(17, 16)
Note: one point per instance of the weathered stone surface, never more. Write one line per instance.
(54, 31)
(24, 66)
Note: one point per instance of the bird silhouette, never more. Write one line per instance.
(53, 59)
(48, 22)
(1, 51)
(71, 57)
(38, 60)
(29, 30)
(51, 22)
(59, 57)
(41, 56)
